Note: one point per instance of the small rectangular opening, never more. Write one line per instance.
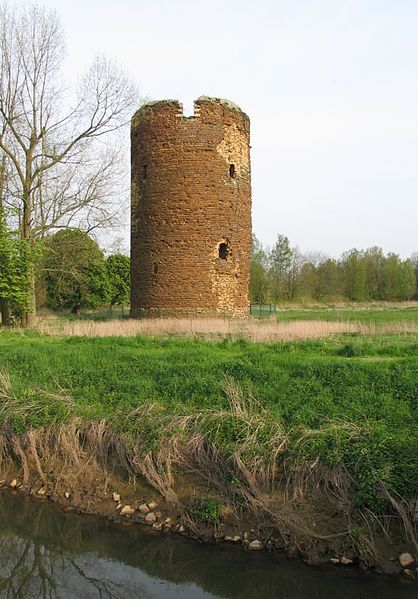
(223, 251)
(144, 172)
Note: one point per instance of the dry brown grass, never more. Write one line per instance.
(217, 328)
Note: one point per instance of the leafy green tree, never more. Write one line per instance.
(309, 281)
(320, 279)
(374, 260)
(258, 273)
(329, 280)
(354, 272)
(398, 278)
(280, 261)
(408, 279)
(285, 268)
(118, 268)
(16, 261)
(74, 271)
(359, 275)
(294, 279)
(414, 260)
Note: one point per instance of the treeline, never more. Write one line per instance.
(73, 273)
(284, 274)
(70, 273)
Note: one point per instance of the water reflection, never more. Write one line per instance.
(45, 553)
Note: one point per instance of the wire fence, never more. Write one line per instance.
(122, 312)
(262, 310)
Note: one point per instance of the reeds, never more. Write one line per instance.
(253, 330)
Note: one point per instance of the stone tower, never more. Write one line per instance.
(191, 210)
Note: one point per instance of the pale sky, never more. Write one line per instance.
(330, 86)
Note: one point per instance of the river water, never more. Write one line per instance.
(47, 553)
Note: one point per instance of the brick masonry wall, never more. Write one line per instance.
(187, 200)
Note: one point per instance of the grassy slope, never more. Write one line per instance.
(356, 396)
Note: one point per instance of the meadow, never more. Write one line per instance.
(369, 314)
(347, 400)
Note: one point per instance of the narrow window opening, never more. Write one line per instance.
(223, 251)
(155, 268)
(232, 171)
(144, 172)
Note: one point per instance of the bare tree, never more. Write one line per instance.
(62, 173)
(4, 303)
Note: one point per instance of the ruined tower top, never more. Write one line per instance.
(191, 209)
(175, 107)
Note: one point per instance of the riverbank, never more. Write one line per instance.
(47, 551)
(305, 447)
(313, 526)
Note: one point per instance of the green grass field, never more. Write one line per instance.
(350, 400)
(371, 315)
